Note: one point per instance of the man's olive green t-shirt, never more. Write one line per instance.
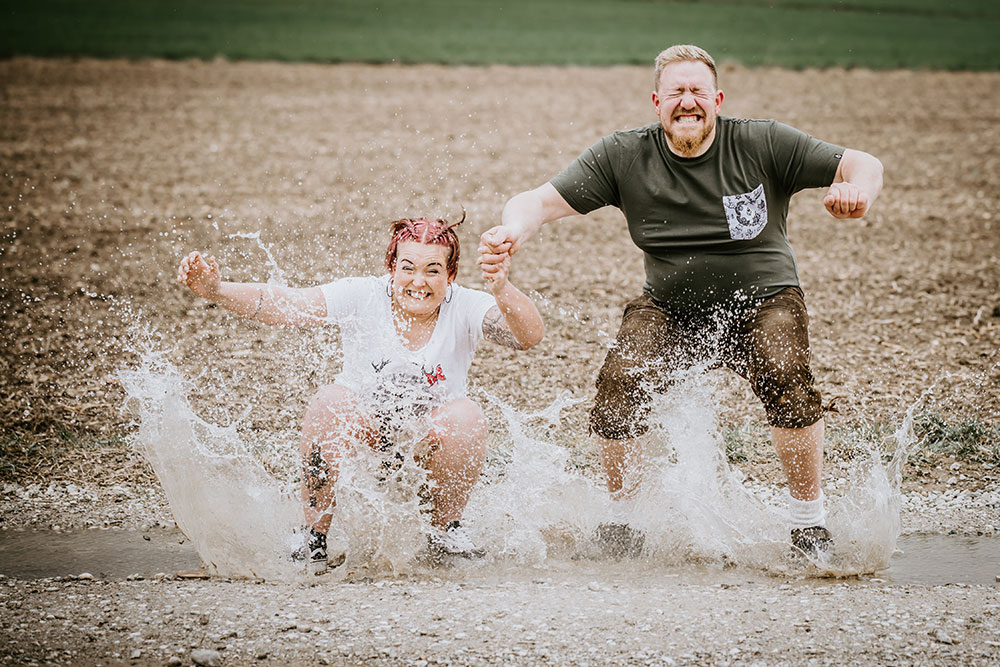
(711, 228)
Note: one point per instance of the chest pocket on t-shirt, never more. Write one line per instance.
(746, 213)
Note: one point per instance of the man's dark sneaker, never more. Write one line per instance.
(619, 540)
(315, 553)
(814, 541)
(452, 541)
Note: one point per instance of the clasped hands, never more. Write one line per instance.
(496, 246)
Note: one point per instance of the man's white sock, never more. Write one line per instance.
(806, 513)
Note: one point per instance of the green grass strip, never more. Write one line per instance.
(790, 33)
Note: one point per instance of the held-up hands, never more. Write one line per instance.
(846, 200)
(201, 276)
(496, 245)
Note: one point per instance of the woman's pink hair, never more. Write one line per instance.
(423, 230)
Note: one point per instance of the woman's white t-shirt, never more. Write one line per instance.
(374, 354)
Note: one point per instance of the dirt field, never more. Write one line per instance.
(113, 170)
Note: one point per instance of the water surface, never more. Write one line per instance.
(117, 554)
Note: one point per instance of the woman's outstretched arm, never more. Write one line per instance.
(270, 304)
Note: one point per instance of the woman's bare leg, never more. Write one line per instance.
(458, 440)
(333, 422)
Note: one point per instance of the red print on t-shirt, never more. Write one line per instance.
(434, 375)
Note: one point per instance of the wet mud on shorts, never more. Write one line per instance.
(768, 344)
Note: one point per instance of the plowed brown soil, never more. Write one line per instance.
(113, 170)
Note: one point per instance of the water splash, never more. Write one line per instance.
(276, 276)
(530, 504)
(531, 507)
(238, 516)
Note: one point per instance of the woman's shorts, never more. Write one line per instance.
(768, 344)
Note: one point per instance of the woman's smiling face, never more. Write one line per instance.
(420, 277)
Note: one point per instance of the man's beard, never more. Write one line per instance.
(688, 145)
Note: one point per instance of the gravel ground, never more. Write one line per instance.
(545, 620)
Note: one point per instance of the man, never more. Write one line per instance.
(706, 198)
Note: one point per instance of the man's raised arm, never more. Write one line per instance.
(522, 217)
(856, 186)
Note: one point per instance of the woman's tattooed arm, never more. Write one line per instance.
(495, 330)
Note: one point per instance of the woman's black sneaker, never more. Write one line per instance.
(314, 551)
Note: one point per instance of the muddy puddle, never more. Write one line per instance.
(944, 559)
(118, 554)
(106, 554)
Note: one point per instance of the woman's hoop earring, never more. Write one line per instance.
(388, 288)
(449, 293)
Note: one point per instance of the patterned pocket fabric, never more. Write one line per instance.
(746, 213)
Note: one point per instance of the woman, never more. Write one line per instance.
(408, 340)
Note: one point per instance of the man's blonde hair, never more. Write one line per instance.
(684, 53)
